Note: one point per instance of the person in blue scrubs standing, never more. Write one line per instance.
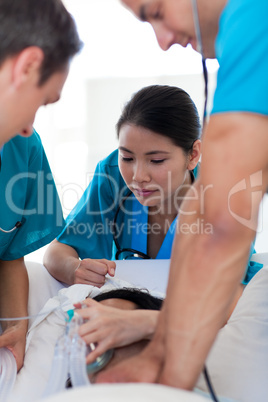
(130, 208)
(38, 41)
(206, 268)
(30, 218)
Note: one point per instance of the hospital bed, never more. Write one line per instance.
(237, 363)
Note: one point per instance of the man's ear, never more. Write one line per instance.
(27, 66)
(195, 155)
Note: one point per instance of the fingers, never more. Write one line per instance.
(93, 272)
(15, 342)
(111, 267)
(87, 302)
(100, 349)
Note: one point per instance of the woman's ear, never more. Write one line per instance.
(195, 155)
(27, 66)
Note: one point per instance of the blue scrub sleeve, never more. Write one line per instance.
(242, 52)
(252, 268)
(32, 198)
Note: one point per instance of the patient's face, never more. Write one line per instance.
(124, 352)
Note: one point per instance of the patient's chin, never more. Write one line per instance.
(120, 354)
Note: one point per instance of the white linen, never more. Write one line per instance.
(238, 361)
(43, 334)
(126, 392)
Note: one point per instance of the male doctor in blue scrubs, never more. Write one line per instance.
(38, 39)
(206, 269)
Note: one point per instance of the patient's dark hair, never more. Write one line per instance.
(142, 298)
(165, 110)
(42, 23)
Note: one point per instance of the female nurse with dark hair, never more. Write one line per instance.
(130, 208)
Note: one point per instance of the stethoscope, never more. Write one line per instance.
(130, 252)
(17, 225)
(201, 51)
(205, 75)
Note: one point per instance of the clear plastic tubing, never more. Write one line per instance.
(78, 372)
(8, 373)
(59, 369)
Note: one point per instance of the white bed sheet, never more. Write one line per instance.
(45, 329)
(237, 364)
(127, 392)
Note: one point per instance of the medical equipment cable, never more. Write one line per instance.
(133, 252)
(29, 317)
(201, 51)
(205, 75)
(17, 225)
(210, 387)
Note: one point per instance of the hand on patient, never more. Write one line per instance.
(93, 272)
(111, 327)
(14, 339)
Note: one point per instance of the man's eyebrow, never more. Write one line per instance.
(142, 13)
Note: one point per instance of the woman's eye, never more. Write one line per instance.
(157, 161)
(125, 159)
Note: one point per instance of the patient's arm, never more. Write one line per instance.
(63, 263)
(13, 303)
(112, 327)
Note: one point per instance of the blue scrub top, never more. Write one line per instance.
(28, 195)
(89, 225)
(242, 52)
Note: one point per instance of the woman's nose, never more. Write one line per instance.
(165, 37)
(140, 173)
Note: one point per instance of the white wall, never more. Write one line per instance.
(120, 56)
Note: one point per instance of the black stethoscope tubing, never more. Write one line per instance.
(17, 225)
(114, 230)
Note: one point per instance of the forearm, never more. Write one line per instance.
(14, 289)
(61, 262)
(201, 290)
(208, 264)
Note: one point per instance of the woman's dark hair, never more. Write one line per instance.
(42, 23)
(165, 110)
(141, 297)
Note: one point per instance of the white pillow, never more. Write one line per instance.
(238, 361)
(126, 392)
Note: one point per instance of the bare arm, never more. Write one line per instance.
(63, 263)
(14, 289)
(207, 266)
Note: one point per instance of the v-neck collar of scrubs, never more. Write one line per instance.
(139, 233)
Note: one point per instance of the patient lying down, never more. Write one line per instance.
(122, 319)
(237, 363)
